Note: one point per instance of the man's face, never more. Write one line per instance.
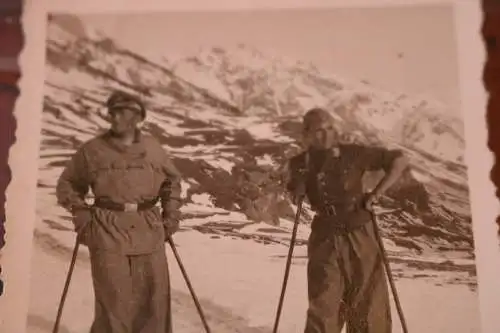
(321, 135)
(123, 120)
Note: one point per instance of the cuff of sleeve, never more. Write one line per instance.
(170, 214)
(172, 204)
(79, 208)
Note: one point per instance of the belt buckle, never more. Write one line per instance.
(130, 207)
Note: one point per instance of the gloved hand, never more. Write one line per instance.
(370, 200)
(81, 219)
(170, 223)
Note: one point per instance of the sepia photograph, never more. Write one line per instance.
(284, 170)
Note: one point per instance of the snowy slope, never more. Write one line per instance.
(230, 117)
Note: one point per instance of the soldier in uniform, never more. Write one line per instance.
(346, 281)
(124, 230)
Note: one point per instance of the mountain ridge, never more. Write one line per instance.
(236, 155)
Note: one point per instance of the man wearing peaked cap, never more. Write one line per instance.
(345, 272)
(122, 100)
(124, 230)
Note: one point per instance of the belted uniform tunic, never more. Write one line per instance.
(346, 281)
(127, 252)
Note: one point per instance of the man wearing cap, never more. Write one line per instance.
(346, 281)
(124, 230)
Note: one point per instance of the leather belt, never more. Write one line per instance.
(334, 209)
(125, 207)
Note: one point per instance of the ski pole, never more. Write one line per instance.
(66, 286)
(288, 264)
(191, 290)
(388, 272)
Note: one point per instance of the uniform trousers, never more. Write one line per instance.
(346, 283)
(132, 292)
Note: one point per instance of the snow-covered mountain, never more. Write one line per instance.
(231, 116)
(260, 84)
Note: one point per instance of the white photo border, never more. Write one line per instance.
(21, 193)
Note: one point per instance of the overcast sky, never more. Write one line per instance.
(408, 49)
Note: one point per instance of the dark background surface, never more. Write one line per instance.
(491, 78)
(11, 43)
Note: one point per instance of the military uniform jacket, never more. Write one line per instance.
(334, 183)
(121, 174)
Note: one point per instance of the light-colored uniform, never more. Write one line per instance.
(127, 251)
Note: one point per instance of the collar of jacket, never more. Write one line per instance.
(136, 147)
(137, 135)
(331, 152)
